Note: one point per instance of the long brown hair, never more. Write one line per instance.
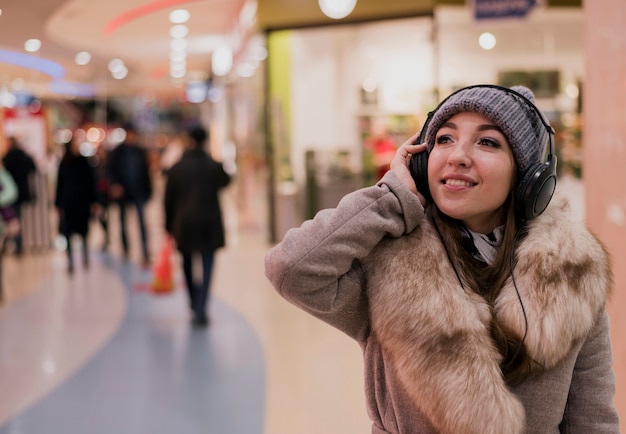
(488, 281)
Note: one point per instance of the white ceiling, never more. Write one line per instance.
(141, 39)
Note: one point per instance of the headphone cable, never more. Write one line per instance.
(519, 297)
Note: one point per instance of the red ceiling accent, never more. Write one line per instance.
(139, 12)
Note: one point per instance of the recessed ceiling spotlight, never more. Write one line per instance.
(82, 58)
(178, 55)
(120, 73)
(32, 45)
(222, 60)
(178, 72)
(116, 64)
(487, 41)
(179, 16)
(179, 31)
(260, 52)
(572, 90)
(178, 66)
(337, 9)
(178, 44)
(245, 70)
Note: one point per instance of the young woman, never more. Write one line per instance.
(478, 307)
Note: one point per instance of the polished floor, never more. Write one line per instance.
(95, 352)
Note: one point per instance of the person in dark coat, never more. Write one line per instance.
(99, 164)
(193, 216)
(130, 183)
(21, 167)
(75, 199)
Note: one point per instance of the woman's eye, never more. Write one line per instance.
(486, 141)
(443, 139)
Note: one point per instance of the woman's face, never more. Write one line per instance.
(471, 169)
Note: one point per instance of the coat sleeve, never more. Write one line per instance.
(169, 201)
(146, 179)
(60, 186)
(316, 266)
(8, 188)
(590, 407)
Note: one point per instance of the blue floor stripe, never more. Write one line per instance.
(158, 375)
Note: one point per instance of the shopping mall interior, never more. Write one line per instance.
(304, 104)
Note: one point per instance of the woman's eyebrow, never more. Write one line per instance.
(489, 127)
(484, 127)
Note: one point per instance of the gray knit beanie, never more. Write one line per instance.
(518, 121)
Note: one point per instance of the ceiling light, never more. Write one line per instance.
(572, 91)
(7, 99)
(95, 135)
(82, 58)
(487, 41)
(248, 14)
(178, 72)
(179, 31)
(178, 56)
(196, 92)
(32, 45)
(222, 60)
(179, 16)
(260, 52)
(120, 72)
(215, 94)
(115, 64)
(178, 66)
(178, 44)
(245, 70)
(337, 9)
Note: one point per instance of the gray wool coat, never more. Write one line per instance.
(375, 269)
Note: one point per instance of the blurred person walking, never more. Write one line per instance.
(130, 183)
(21, 167)
(75, 199)
(193, 216)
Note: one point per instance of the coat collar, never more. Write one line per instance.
(437, 334)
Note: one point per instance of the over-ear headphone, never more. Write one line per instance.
(535, 189)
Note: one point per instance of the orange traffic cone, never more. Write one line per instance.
(163, 281)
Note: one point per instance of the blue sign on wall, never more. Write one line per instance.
(489, 9)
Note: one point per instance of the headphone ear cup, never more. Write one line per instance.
(537, 189)
(418, 166)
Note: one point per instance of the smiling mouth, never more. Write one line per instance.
(458, 183)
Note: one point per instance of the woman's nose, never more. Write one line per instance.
(460, 155)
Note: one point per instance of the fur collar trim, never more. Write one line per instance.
(437, 335)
